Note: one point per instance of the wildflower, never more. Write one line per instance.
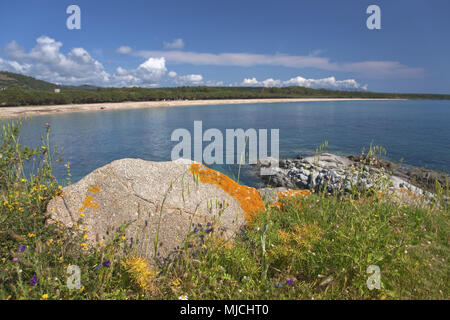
(289, 282)
(5, 203)
(24, 180)
(45, 296)
(209, 224)
(22, 248)
(195, 230)
(140, 272)
(100, 243)
(34, 280)
(31, 235)
(278, 285)
(106, 264)
(176, 283)
(83, 245)
(15, 259)
(68, 164)
(85, 236)
(123, 237)
(47, 125)
(208, 230)
(183, 297)
(43, 147)
(204, 246)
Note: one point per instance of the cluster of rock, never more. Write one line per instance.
(335, 174)
(163, 203)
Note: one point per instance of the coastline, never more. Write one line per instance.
(28, 111)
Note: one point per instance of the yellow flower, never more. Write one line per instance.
(45, 296)
(59, 187)
(123, 238)
(140, 272)
(83, 245)
(31, 235)
(5, 203)
(100, 243)
(176, 283)
(24, 180)
(82, 214)
(85, 236)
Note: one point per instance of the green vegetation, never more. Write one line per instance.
(9, 79)
(311, 247)
(28, 91)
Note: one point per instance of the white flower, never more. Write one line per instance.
(183, 297)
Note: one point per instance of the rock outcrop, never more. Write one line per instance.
(163, 200)
(335, 174)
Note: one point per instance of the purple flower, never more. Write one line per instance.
(289, 282)
(106, 263)
(22, 248)
(15, 259)
(209, 224)
(278, 285)
(34, 280)
(47, 125)
(68, 164)
(195, 230)
(208, 230)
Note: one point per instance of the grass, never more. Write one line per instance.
(318, 247)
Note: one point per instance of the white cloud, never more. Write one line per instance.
(124, 50)
(172, 74)
(190, 79)
(325, 83)
(46, 61)
(176, 44)
(370, 69)
(250, 82)
(148, 73)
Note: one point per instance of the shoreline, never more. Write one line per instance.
(28, 111)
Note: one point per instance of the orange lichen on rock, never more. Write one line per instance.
(248, 197)
(94, 189)
(88, 203)
(289, 194)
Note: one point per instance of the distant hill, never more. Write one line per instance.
(15, 80)
(9, 80)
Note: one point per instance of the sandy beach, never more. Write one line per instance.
(28, 111)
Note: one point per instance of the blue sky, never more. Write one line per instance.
(272, 43)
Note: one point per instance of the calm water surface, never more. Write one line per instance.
(417, 132)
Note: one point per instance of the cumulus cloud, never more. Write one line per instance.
(46, 61)
(370, 69)
(172, 74)
(325, 83)
(189, 79)
(148, 73)
(124, 50)
(176, 44)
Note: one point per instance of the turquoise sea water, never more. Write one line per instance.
(416, 132)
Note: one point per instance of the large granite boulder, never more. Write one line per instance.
(172, 197)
